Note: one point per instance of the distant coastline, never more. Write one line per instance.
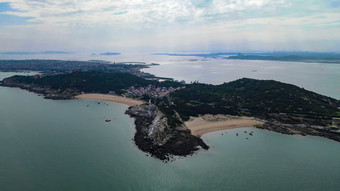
(329, 58)
(110, 54)
(308, 57)
(44, 52)
(163, 124)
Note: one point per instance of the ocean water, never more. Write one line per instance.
(318, 77)
(67, 145)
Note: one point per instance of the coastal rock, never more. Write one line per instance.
(155, 125)
(155, 136)
(330, 131)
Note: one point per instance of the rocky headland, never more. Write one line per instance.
(160, 127)
(155, 136)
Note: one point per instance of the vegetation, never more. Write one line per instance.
(259, 98)
(61, 66)
(285, 108)
(251, 97)
(169, 112)
(89, 82)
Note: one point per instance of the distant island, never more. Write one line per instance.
(169, 110)
(44, 52)
(316, 58)
(197, 54)
(110, 54)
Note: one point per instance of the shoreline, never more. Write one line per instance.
(110, 98)
(200, 126)
(162, 141)
(173, 138)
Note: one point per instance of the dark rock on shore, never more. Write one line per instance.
(302, 129)
(156, 137)
(284, 108)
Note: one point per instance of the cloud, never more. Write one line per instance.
(94, 24)
(225, 6)
(135, 11)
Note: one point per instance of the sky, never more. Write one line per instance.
(170, 25)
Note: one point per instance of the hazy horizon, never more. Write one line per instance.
(170, 53)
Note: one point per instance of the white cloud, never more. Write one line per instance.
(226, 6)
(119, 24)
(137, 11)
(95, 11)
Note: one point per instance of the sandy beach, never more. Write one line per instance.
(209, 123)
(110, 98)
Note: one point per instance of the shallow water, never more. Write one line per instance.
(67, 145)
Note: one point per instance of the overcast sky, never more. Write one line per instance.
(169, 25)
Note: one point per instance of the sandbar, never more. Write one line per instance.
(203, 125)
(110, 98)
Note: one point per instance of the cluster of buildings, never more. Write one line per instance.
(137, 72)
(152, 91)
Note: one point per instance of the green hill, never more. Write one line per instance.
(251, 97)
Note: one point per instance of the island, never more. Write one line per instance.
(171, 116)
(292, 57)
(110, 54)
(308, 57)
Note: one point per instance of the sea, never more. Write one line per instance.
(58, 145)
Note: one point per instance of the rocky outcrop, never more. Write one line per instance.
(284, 123)
(155, 136)
(330, 132)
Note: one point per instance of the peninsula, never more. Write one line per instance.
(171, 116)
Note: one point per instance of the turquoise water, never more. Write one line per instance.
(67, 145)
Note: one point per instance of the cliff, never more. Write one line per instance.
(282, 107)
(155, 136)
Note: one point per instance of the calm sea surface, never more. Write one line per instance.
(67, 145)
(318, 77)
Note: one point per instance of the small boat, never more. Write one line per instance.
(107, 120)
